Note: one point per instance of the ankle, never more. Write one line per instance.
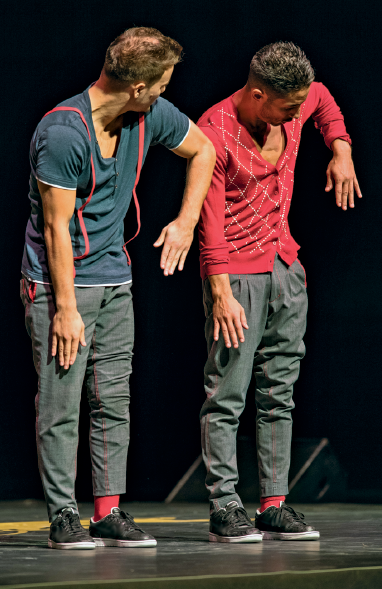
(268, 501)
(103, 506)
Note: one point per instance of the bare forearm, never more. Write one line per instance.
(177, 236)
(60, 258)
(220, 286)
(199, 174)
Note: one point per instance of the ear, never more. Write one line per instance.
(138, 87)
(258, 95)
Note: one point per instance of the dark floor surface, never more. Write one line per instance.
(351, 538)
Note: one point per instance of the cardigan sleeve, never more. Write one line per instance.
(326, 114)
(214, 252)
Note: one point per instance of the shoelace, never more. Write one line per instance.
(125, 519)
(291, 514)
(236, 516)
(71, 522)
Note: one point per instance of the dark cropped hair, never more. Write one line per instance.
(141, 53)
(282, 68)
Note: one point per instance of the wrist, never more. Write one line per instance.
(187, 220)
(341, 147)
(220, 286)
(66, 306)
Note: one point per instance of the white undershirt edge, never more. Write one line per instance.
(81, 285)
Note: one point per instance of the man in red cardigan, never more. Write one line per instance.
(254, 281)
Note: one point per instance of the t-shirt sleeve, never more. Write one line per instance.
(170, 126)
(60, 156)
(214, 251)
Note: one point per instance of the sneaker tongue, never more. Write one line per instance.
(67, 510)
(232, 505)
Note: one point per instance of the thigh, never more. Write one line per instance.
(277, 360)
(59, 390)
(286, 323)
(228, 371)
(112, 342)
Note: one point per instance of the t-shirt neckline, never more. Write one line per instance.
(92, 130)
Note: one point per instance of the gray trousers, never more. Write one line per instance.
(275, 305)
(105, 365)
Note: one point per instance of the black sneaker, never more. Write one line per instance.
(284, 523)
(119, 529)
(66, 532)
(232, 524)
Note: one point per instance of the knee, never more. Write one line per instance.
(275, 401)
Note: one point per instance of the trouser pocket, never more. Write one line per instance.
(27, 290)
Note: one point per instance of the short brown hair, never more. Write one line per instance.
(141, 53)
(282, 68)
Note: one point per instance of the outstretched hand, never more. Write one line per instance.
(341, 174)
(176, 239)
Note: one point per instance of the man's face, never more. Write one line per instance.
(148, 95)
(277, 111)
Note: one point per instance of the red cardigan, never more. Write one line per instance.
(244, 219)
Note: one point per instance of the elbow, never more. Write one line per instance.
(55, 228)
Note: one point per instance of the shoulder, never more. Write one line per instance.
(167, 124)
(219, 122)
(163, 108)
(67, 123)
(317, 90)
(215, 112)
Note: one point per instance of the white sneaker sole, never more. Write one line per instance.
(71, 545)
(291, 535)
(250, 538)
(125, 543)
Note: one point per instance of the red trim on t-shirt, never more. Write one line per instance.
(139, 167)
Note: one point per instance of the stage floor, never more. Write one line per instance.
(348, 555)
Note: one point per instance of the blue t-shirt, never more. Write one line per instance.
(60, 156)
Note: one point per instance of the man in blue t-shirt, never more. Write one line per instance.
(86, 156)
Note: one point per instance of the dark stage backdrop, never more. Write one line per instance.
(53, 50)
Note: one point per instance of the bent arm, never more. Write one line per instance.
(178, 235)
(327, 115)
(68, 330)
(340, 172)
(200, 152)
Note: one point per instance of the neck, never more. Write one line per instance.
(107, 104)
(247, 113)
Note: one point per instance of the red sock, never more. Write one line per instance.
(104, 505)
(268, 501)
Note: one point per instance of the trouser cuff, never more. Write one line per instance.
(268, 489)
(219, 503)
